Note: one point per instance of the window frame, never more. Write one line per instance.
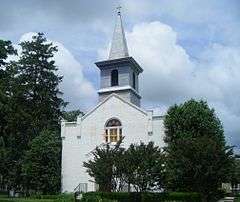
(109, 137)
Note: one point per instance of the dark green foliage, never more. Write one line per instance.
(174, 196)
(4, 153)
(71, 115)
(144, 166)
(116, 196)
(30, 102)
(39, 82)
(191, 120)
(42, 198)
(197, 158)
(6, 49)
(102, 164)
(235, 177)
(141, 197)
(141, 166)
(198, 166)
(41, 165)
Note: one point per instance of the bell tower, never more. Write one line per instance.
(119, 73)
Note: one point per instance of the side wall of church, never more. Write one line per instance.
(158, 131)
(71, 150)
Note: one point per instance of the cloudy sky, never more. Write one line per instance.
(188, 49)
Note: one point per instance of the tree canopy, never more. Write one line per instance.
(42, 163)
(71, 115)
(144, 166)
(198, 159)
(114, 168)
(30, 103)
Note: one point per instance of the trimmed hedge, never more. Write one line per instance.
(114, 196)
(40, 196)
(174, 196)
(141, 197)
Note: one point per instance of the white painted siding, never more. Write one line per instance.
(81, 138)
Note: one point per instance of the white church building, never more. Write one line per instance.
(117, 114)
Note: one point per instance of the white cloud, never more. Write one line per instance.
(76, 87)
(172, 76)
(166, 64)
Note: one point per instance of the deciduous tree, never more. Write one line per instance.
(144, 167)
(102, 167)
(198, 158)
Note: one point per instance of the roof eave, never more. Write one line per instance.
(107, 63)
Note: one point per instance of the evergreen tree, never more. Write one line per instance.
(40, 83)
(32, 103)
(6, 49)
(42, 163)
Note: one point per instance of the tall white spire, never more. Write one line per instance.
(119, 44)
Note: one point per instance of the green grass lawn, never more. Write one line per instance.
(25, 200)
(43, 198)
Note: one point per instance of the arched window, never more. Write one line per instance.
(114, 77)
(134, 80)
(113, 130)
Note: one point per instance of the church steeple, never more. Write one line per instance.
(119, 73)
(119, 47)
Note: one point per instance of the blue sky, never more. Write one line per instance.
(188, 49)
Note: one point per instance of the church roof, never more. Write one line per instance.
(119, 47)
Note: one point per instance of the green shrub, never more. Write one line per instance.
(141, 197)
(188, 197)
(237, 199)
(174, 196)
(112, 196)
(65, 198)
(154, 197)
(57, 198)
(40, 196)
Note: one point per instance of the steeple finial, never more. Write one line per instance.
(119, 47)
